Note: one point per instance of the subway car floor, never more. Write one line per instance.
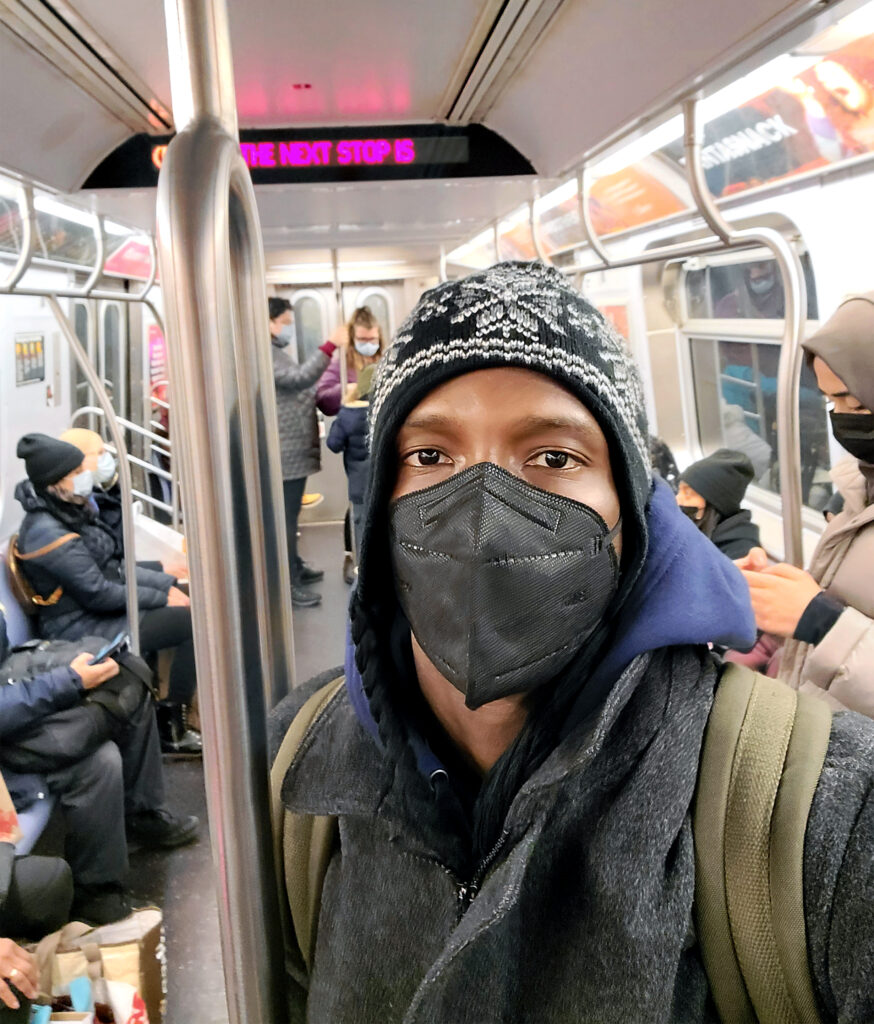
(182, 881)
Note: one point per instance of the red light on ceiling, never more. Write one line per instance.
(302, 85)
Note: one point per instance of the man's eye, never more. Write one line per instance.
(554, 460)
(426, 457)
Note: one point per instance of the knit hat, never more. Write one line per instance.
(721, 479)
(46, 459)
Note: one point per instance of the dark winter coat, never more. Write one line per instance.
(736, 535)
(584, 910)
(89, 569)
(296, 410)
(348, 434)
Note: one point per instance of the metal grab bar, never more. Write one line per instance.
(590, 236)
(124, 480)
(154, 502)
(94, 410)
(213, 276)
(28, 220)
(789, 367)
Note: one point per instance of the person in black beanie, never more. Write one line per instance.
(512, 754)
(710, 494)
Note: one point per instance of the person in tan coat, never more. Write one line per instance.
(826, 615)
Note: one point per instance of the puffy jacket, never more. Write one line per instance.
(88, 568)
(736, 535)
(296, 410)
(841, 666)
(328, 397)
(348, 434)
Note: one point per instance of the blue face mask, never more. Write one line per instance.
(83, 484)
(367, 348)
(106, 466)
(286, 334)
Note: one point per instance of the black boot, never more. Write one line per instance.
(176, 737)
(161, 829)
(101, 903)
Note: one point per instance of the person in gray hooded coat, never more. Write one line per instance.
(513, 758)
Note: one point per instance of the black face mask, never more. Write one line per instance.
(855, 432)
(692, 511)
(502, 582)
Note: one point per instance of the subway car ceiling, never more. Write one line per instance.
(552, 80)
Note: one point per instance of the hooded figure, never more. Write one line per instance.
(827, 614)
(710, 493)
(513, 758)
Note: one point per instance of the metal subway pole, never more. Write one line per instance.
(226, 438)
(342, 355)
(789, 368)
(124, 480)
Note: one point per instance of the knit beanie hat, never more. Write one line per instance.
(513, 314)
(721, 479)
(46, 459)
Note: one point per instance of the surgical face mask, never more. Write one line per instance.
(502, 583)
(286, 334)
(367, 348)
(83, 484)
(106, 466)
(761, 285)
(855, 431)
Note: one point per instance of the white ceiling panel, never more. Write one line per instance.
(50, 130)
(603, 64)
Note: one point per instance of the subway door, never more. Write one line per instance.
(112, 350)
(84, 319)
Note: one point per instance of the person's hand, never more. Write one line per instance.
(779, 595)
(93, 675)
(177, 599)
(340, 336)
(755, 560)
(178, 569)
(19, 967)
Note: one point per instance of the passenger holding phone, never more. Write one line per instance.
(75, 564)
(89, 731)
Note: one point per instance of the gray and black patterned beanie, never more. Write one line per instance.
(516, 314)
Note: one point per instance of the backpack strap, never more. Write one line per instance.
(303, 843)
(764, 749)
(24, 593)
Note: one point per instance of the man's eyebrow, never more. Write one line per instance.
(534, 424)
(432, 421)
(838, 394)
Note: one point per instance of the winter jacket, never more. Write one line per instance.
(841, 666)
(328, 396)
(296, 410)
(88, 568)
(583, 912)
(348, 434)
(736, 535)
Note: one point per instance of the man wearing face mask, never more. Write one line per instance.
(299, 443)
(514, 749)
(826, 615)
(75, 564)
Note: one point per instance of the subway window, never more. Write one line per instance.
(735, 384)
(747, 290)
(113, 378)
(378, 302)
(309, 325)
(80, 326)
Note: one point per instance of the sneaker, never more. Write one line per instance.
(303, 598)
(100, 904)
(348, 568)
(311, 500)
(309, 574)
(161, 829)
(173, 729)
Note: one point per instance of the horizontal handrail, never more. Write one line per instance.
(93, 410)
(156, 502)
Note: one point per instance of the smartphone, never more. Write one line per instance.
(115, 646)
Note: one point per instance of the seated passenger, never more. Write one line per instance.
(348, 434)
(826, 615)
(710, 494)
(35, 892)
(74, 563)
(514, 754)
(103, 764)
(364, 347)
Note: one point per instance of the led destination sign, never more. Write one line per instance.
(292, 155)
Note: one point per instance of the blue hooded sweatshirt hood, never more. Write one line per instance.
(687, 592)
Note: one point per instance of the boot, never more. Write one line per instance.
(99, 904)
(176, 737)
(348, 568)
(161, 829)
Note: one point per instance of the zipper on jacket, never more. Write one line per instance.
(468, 891)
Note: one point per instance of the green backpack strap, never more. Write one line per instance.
(764, 749)
(302, 843)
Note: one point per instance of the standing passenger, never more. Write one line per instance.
(513, 758)
(298, 435)
(826, 615)
(365, 346)
(710, 493)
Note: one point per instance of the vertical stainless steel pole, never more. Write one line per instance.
(124, 481)
(338, 298)
(226, 439)
(789, 368)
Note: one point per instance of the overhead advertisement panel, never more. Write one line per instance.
(313, 155)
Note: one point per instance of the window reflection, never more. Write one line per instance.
(743, 291)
